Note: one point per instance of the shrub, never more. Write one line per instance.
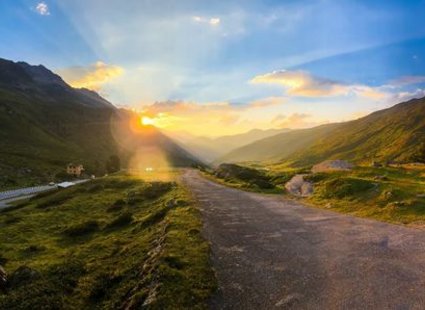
(345, 187)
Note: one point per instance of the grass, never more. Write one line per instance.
(73, 252)
(387, 194)
(243, 177)
(390, 194)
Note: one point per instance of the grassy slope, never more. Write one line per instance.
(277, 147)
(387, 194)
(89, 253)
(397, 133)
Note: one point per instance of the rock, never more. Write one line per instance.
(332, 165)
(299, 187)
(3, 278)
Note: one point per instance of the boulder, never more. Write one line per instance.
(332, 165)
(299, 187)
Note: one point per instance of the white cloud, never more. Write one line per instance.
(42, 8)
(213, 21)
(303, 84)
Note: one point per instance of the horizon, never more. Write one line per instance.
(222, 68)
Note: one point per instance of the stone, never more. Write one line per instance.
(299, 187)
(332, 165)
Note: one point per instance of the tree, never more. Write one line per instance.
(113, 164)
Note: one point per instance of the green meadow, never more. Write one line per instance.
(113, 243)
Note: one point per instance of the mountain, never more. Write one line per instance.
(209, 149)
(45, 124)
(393, 134)
(278, 146)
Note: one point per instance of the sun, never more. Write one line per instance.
(146, 121)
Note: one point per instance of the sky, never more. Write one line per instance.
(223, 67)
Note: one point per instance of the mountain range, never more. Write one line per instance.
(210, 149)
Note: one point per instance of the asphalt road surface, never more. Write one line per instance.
(274, 253)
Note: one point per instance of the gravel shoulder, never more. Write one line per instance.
(274, 253)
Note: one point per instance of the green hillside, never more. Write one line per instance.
(279, 146)
(45, 124)
(394, 134)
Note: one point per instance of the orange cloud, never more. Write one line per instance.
(91, 77)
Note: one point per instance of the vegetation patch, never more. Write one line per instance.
(243, 177)
(345, 187)
(123, 219)
(120, 265)
(82, 229)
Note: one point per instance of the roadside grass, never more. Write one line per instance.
(245, 178)
(389, 194)
(68, 250)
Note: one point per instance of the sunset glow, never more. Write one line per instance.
(147, 121)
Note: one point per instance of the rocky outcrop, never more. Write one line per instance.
(297, 186)
(332, 165)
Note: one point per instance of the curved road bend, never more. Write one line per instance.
(273, 253)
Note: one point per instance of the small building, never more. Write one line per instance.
(74, 170)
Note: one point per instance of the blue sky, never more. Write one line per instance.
(231, 65)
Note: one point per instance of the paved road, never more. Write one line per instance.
(273, 253)
(10, 196)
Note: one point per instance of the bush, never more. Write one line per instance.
(82, 229)
(345, 187)
(248, 175)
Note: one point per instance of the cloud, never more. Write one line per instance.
(91, 77)
(296, 121)
(303, 84)
(268, 101)
(212, 118)
(408, 80)
(407, 95)
(213, 21)
(278, 118)
(42, 8)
